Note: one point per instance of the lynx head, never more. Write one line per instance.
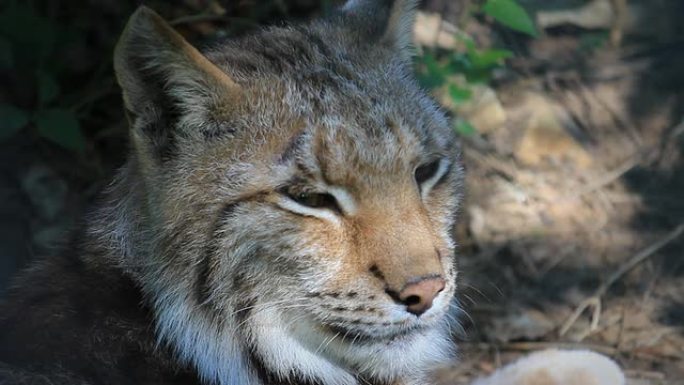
(289, 199)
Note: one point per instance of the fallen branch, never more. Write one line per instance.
(595, 299)
(639, 258)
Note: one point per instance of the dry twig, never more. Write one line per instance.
(623, 269)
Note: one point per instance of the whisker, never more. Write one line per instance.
(469, 298)
(464, 312)
(329, 340)
(478, 291)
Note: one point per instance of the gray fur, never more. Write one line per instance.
(245, 283)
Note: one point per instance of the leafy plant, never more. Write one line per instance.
(456, 72)
(510, 14)
(28, 45)
(464, 127)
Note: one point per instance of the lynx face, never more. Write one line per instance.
(290, 199)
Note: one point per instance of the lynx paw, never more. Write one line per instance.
(557, 367)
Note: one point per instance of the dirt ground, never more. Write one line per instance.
(571, 231)
(572, 228)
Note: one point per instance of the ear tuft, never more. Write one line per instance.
(394, 17)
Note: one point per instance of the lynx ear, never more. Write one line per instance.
(156, 66)
(392, 20)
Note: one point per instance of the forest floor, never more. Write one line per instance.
(571, 231)
(572, 228)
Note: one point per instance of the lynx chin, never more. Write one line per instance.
(284, 217)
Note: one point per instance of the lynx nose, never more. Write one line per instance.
(418, 296)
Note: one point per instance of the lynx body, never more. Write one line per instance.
(285, 213)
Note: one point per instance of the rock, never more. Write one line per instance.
(559, 367)
(430, 30)
(484, 110)
(524, 324)
(545, 137)
(598, 14)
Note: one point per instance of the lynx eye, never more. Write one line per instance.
(430, 175)
(315, 200)
(426, 171)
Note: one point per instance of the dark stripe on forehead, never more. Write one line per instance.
(286, 50)
(398, 133)
(331, 60)
(320, 150)
(292, 148)
(305, 172)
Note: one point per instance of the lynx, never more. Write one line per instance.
(285, 216)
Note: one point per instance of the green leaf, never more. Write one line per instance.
(432, 75)
(12, 119)
(48, 88)
(464, 128)
(6, 55)
(467, 40)
(459, 63)
(489, 58)
(478, 76)
(459, 95)
(510, 14)
(60, 126)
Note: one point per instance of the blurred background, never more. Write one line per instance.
(572, 119)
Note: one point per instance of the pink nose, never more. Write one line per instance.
(418, 296)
